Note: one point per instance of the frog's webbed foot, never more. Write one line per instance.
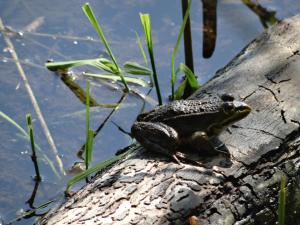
(174, 156)
(183, 157)
(219, 146)
(156, 137)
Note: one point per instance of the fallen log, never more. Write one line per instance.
(151, 189)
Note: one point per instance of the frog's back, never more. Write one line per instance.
(179, 108)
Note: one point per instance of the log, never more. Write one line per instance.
(150, 189)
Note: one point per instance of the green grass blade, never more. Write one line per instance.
(282, 201)
(173, 73)
(89, 150)
(189, 77)
(136, 69)
(108, 65)
(133, 80)
(180, 90)
(141, 48)
(53, 66)
(144, 55)
(146, 23)
(100, 166)
(32, 142)
(100, 63)
(87, 108)
(89, 13)
(193, 82)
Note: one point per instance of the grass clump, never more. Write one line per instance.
(112, 70)
(190, 78)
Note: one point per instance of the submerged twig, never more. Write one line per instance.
(66, 77)
(266, 17)
(33, 100)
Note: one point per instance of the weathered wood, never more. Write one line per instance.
(147, 189)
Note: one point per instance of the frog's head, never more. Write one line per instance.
(233, 111)
(230, 111)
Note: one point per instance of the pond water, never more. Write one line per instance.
(59, 30)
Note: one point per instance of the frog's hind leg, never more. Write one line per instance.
(156, 137)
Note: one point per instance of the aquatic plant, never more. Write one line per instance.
(146, 23)
(110, 66)
(282, 201)
(190, 78)
(32, 142)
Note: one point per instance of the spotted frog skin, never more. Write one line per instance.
(187, 123)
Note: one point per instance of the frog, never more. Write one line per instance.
(191, 123)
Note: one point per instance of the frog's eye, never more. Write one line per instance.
(228, 108)
(227, 97)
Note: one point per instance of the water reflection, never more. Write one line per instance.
(209, 27)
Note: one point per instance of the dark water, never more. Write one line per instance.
(64, 33)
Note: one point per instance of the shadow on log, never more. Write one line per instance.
(147, 189)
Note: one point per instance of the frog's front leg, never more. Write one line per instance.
(157, 137)
(202, 142)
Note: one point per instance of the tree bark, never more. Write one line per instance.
(151, 189)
